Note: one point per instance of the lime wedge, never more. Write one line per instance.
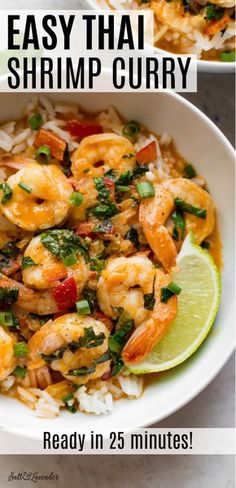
(198, 304)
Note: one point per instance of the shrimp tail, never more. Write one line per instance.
(148, 334)
(41, 303)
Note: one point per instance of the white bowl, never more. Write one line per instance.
(203, 145)
(202, 65)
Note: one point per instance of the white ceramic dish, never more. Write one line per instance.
(202, 144)
(202, 66)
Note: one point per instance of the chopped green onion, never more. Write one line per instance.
(131, 129)
(145, 189)
(7, 192)
(20, 349)
(20, 371)
(68, 397)
(25, 187)
(43, 154)
(27, 262)
(6, 319)
(227, 56)
(69, 260)
(76, 198)
(186, 207)
(83, 307)
(35, 121)
(122, 188)
(168, 291)
(189, 171)
(176, 289)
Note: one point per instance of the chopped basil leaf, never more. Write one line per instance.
(118, 339)
(8, 295)
(7, 192)
(189, 171)
(88, 341)
(11, 250)
(102, 359)
(104, 228)
(27, 262)
(133, 236)
(213, 12)
(84, 371)
(104, 211)
(63, 243)
(149, 301)
(91, 296)
(49, 358)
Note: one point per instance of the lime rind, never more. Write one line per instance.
(177, 335)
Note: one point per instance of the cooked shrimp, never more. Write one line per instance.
(43, 203)
(9, 231)
(100, 153)
(40, 302)
(154, 213)
(172, 14)
(123, 283)
(59, 340)
(8, 361)
(151, 331)
(49, 268)
(94, 157)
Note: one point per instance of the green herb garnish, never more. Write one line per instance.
(186, 207)
(8, 295)
(131, 129)
(133, 236)
(35, 121)
(20, 371)
(25, 187)
(7, 192)
(27, 262)
(43, 154)
(145, 189)
(189, 171)
(180, 224)
(213, 12)
(64, 243)
(83, 307)
(168, 291)
(20, 349)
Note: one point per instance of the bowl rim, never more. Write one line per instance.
(226, 353)
(203, 65)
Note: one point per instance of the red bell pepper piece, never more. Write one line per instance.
(65, 294)
(85, 229)
(110, 185)
(147, 154)
(81, 130)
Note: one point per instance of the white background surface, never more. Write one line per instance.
(214, 407)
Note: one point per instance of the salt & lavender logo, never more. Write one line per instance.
(33, 477)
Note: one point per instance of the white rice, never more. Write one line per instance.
(98, 403)
(131, 385)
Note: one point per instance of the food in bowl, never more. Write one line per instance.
(201, 27)
(102, 232)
